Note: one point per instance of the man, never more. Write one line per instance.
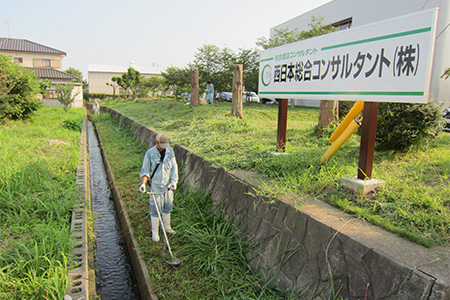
(96, 107)
(210, 93)
(160, 170)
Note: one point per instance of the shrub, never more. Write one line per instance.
(93, 96)
(72, 124)
(402, 125)
(18, 90)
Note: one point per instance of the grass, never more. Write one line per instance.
(414, 203)
(38, 161)
(213, 263)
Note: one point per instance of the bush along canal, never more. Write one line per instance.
(114, 272)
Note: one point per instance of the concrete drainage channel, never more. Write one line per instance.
(115, 279)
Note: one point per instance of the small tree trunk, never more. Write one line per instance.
(194, 88)
(236, 102)
(328, 113)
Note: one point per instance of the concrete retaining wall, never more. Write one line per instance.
(317, 250)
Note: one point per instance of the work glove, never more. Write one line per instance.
(142, 188)
(172, 187)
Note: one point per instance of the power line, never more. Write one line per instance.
(443, 30)
(424, 5)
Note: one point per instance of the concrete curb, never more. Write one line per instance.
(78, 276)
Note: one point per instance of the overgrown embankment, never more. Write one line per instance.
(38, 163)
(414, 203)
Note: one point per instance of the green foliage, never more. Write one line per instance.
(446, 73)
(401, 125)
(65, 94)
(287, 36)
(79, 75)
(97, 96)
(73, 124)
(44, 85)
(129, 80)
(217, 65)
(18, 90)
(114, 84)
(152, 84)
(179, 79)
(38, 192)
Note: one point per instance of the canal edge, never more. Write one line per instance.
(81, 275)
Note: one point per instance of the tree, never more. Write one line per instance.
(329, 110)
(287, 36)
(250, 62)
(114, 84)
(18, 91)
(153, 84)
(130, 80)
(65, 94)
(178, 79)
(214, 64)
(79, 76)
(217, 65)
(134, 78)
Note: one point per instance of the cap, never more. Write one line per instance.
(163, 140)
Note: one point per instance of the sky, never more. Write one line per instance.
(152, 34)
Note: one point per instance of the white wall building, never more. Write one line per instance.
(352, 13)
(99, 75)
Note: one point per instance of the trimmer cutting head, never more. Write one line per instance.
(173, 261)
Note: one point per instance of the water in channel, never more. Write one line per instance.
(114, 273)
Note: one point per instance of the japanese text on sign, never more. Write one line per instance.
(389, 61)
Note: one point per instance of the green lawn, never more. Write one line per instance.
(414, 203)
(38, 163)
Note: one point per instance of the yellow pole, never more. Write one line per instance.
(352, 114)
(341, 139)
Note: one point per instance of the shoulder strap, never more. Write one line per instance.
(160, 161)
(155, 170)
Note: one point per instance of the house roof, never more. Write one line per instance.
(9, 44)
(50, 73)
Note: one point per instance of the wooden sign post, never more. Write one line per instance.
(368, 135)
(236, 102)
(194, 88)
(282, 125)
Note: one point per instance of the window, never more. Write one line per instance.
(46, 63)
(344, 24)
(51, 94)
(18, 60)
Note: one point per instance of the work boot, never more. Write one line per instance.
(155, 229)
(166, 222)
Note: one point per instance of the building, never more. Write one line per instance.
(99, 77)
(345, 14)
(45, 63)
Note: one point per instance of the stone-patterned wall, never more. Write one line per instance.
(317, 251)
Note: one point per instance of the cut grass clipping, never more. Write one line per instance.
(38, 162)
(414, 203)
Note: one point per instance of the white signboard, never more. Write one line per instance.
(388, 61)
